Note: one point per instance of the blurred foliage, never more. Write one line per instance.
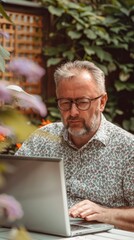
(4, 54)
(19, 124)
(102, 32)
(19, 234)
(21, 128)
(53, 111)
(4, 14)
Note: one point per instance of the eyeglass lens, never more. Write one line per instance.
(82, 104)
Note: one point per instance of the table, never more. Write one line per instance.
(113, 234)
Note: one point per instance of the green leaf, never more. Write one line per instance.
(102, 54)
(77, 18)
(126, 68)
(87, 9)
(90, 34)
(132, 55)
(124, 86)
(124, 76)
(51, 51)
(109, 21)
(99, 42)
(79, 26)
(130, 86)
(125, 11)
(53, 61)
(111, 67)
(74, 35)
(87, 13)
(84, 43)
(4, 53)
(103, 67)
(132, 18)
(69, 54)
(76, 6)
(130, 34)
(129, 124)
(110, 8)
(54, 112)
(2, 64)
(120, 86)
(119, 112)
(56, 11)
(115, 41)
(101, 32)
(4, 14)
(89, 50)
(116, 29)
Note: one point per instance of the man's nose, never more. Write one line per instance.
(74, 111)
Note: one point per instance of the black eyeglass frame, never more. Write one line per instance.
(75, 102)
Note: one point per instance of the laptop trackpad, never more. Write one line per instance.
(80, 224)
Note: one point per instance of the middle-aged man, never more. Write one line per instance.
(98, 155)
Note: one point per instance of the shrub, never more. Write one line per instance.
(102, 32)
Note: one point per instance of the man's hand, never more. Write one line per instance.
(90, 211)
(122, 218)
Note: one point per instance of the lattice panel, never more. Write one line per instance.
(25, 41)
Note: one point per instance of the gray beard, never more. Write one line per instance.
(86, 129)
(79, 133)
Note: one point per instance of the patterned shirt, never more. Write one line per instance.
(102, 170)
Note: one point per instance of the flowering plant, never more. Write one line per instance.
(13, 97)
(14, 126)
(10, 208)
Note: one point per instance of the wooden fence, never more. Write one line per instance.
(25, 40)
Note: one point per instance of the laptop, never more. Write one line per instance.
(39, 185)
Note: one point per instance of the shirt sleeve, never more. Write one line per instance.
(128, 182)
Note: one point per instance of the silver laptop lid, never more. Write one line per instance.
(39, 185)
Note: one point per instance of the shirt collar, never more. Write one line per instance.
(102, 134)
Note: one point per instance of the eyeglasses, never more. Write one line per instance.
(83, 104)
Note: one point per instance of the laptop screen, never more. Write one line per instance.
(39, 185)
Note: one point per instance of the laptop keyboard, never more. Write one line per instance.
(75, 227)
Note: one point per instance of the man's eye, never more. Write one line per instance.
(83, 101)
(65, 103)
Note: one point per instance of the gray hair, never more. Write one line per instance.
(71, 69)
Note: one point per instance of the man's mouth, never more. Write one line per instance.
(74, 121)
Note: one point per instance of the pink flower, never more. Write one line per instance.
(32, 71)
(4, 34)
(11, 207)
(5, 131)
(26, 101)
(4, 93)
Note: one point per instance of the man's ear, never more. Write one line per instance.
(103, 102)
